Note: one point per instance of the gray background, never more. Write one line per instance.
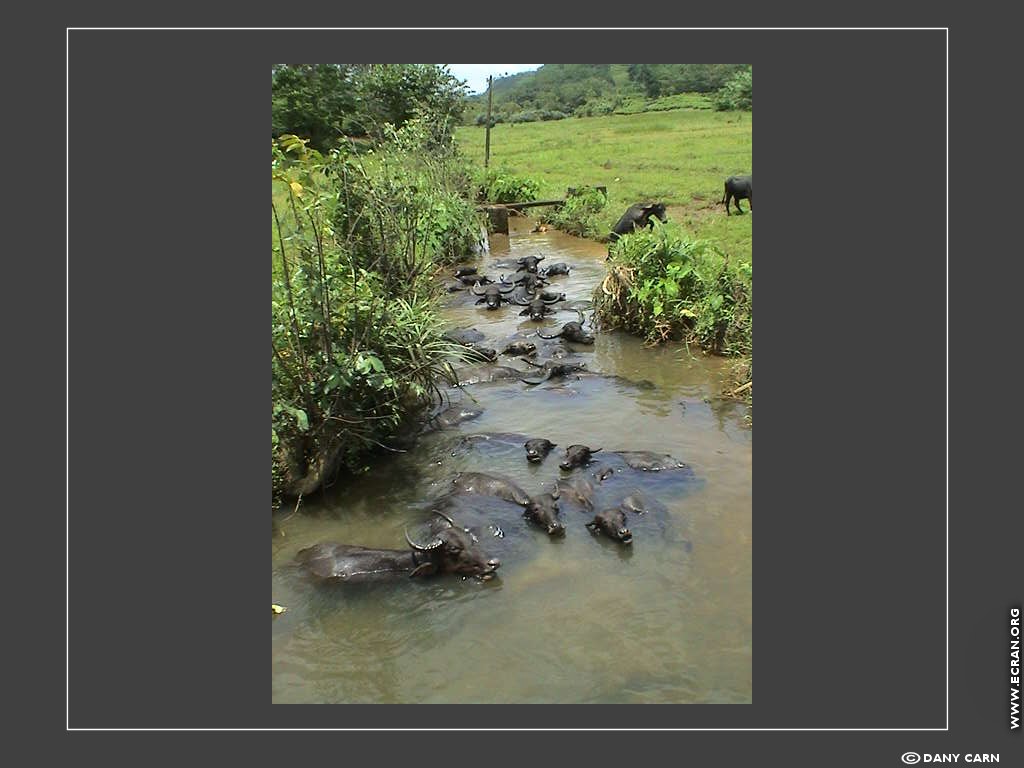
(168, 462)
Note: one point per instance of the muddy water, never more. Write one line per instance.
(572, 620)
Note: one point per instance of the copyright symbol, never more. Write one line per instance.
(911, 757)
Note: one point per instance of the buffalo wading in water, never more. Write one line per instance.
(572, 332)
(493, 294)
(529, 263)
(490, 485)
(543, 510)
(637, 217)
(555, 370)
(453, 550)
(577, 456)
(518, 348)
(537, 308)
(738, 188)
(552, 270)
(612, 523)
(537, 449)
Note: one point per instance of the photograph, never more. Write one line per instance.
(512, 383)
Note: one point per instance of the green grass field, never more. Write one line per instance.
(679, 157)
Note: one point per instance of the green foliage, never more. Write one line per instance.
(354, 322)
(663, 285)
(316, 101)
(324, 103)
(737, 93)
(579, 215)
(500, 185)
(393, 94)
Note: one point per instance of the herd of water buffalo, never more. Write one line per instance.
(608, 489)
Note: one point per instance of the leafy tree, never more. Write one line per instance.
(312, 100)
(737, 93)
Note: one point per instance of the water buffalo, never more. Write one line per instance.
(572, 332)
(553, 370)
(552, 296)
(538, 448)
(464, 336)
(612, 523)
(468, 280)
(637, 217)
(493, 295)
(452, 416)
(485, 374)
(452, 550)
(479, 352)
(577, 456)
(736, 189)
(463, 271)
(648, 461)
(536, 309)
(490, 485)
(517, 348)
(560, 268)
(577, 489)
(529, 280)
(543, 510)
(529, 263)
(638, 504)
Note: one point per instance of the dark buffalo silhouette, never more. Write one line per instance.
(452, 550)
(538, 448)
(493, 294)
(612, 523)
(577, 456)
(572, 332)
(637, 217)
(738, 188)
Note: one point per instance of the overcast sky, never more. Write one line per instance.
(476, 74)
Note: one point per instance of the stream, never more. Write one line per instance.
(572, 619)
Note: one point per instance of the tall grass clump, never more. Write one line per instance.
(579, 215)
(662, 285)
(355, 328)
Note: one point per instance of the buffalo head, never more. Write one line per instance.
(577, 456)
(537, 449)
(543, 510)
(612, 523)
(453, 550)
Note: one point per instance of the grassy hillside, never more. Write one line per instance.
(679, 157)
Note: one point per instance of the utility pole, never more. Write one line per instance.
(487, 145)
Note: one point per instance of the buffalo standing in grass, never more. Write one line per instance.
(738, 188)
(637, 217)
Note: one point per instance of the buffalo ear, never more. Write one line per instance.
(424, 569)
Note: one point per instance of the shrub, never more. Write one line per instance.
(355, 327)
(578, 216)
(662, 285)
(502, 186)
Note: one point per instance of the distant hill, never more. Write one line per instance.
(562, 90)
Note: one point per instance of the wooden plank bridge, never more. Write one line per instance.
(498, 212)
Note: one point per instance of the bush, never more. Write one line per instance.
(578, 216)
(502, 186)
(662, 285)
(355, 327)
(737, 93)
